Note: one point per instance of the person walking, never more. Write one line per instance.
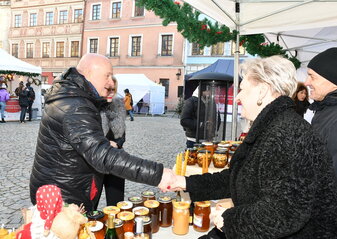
(31, 98)
(128, 103)
(4, 97)
(23, 102)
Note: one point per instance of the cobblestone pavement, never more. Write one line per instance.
(154, 138)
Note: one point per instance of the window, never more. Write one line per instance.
(59, 49)
(49, 18)
(29, 50)
(75, 47)
(45, 49)
(218, 49)
(114, 43)
(93, 45)
(135, 47)
(33, 19)
(18, 21)
(196, 50)
(78, 15)
(96, 12)
(166, 45)
(116, 10)
(242, 50)
(15, 50)
(63, 18)
(166, 84)
(44, 79)
(139, 10)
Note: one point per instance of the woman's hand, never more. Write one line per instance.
(114, 144)
(216, 216)
(178, 184)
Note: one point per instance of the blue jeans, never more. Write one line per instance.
(131, 114)
(23, 113)
(2, 106)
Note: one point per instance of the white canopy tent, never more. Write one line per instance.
(142, 87)
(264, 16)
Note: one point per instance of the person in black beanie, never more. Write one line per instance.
(322, 82)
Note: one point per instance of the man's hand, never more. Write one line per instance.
(178, 184)
(167, 180)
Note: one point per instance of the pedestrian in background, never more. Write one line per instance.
(23, 101)
(322, 82)
(301, 99)
(4, 97)
(31, 98)
(128, 103)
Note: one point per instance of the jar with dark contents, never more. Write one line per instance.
(230, 155)
(140, 211)
(125, 206)
(192, 156)
(95, 216)
(148, 195)
(136, 201)
(201, 221)
(147, 225)
(119, 228)
(165, 211)
(127, 217)
(202, 156)
(153, 207)
(220, 158)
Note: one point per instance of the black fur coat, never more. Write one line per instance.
(280, 180)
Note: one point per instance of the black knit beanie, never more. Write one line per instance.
(325, 64)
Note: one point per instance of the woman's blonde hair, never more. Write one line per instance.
(276, 71)
(116, 85)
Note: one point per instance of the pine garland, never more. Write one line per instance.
(9, 76)
(205, 33)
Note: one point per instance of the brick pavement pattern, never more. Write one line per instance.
(154, 138)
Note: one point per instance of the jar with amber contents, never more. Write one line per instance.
(208, 146)
(165, 211)
(140, 211)
(147, 225)
(111, 210)
(201, 219)
(153, 207)
(127, 217)
(192, 156)
(119, 228)
(223, 145)
(220, 158)
(181, 215)
(125, 206)
(202, 156)
(148, 195)
(136, 201)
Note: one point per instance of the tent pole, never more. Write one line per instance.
(236, 72)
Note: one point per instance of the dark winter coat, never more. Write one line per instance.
(325, 122)
(281, 181)
(73, 153)
(23, 98)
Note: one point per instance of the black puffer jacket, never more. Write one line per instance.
(72, 151)
(281, 181)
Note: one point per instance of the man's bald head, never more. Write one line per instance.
(98, 70)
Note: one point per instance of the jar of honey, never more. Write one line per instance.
(208, 146)
(222, 145)
(140, 211)
(125, 206)
(119, 228)
(147, 225)
(220, 158)
(148, 195)
(111, 210)
(192, 156)
(153, 207)
(127, 217)
(165, 211)
(181, 216)
(201, 219)
(136, 201)
(202, 156)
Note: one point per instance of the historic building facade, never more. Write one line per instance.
(5, 16)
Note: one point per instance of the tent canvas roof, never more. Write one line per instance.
(11, 63)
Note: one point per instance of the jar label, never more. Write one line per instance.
(197, 220)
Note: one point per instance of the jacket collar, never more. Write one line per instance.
(329, 100)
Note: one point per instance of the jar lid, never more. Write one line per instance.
(165, 199)
(146, 220)
(207, 143)
(140, 211)
(151, 203)
(203, 151)
(221, 151)
(111, 210)
(196, 145)
(181, 205)
(126, 216)
(148, 193)
(135, 199)
(124, 205)
(225, 145)
(118, 222)
(203, 204)
(94, 215)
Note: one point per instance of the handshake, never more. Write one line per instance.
(171, 182)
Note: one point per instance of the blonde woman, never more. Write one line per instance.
(281, 180)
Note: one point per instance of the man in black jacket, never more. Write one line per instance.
(72, 152)
(322, 81)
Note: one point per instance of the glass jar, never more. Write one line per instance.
(148, 195)
(147, 225)
(129, 235)
(234, 147)
(201, 219)
(153, 207)
(119, 228)
(140, 211)
(230, 155)
(222, 145)
(111, 210)
(96, 216)
(136, 201)
(208, 146)
(181, 216)
(220, 158)
(202, 156)
(197, 146)
(127, 217)
(192, 156)
(125, 206)
(165, 211)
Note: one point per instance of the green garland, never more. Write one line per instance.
(205, 33)
(20, 73)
